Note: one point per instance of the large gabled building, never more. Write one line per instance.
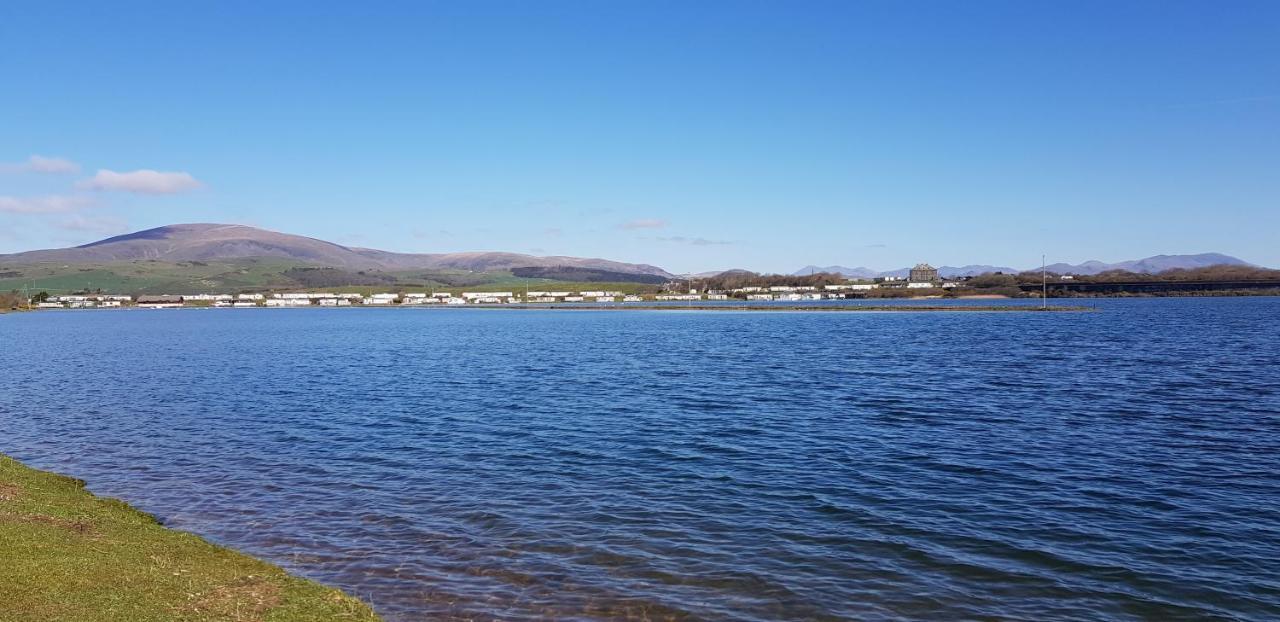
(924, 273)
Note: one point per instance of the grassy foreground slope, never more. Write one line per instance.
(67, 555)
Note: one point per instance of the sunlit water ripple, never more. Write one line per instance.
(464, 464)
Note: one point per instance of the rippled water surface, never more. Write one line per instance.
(473, 464)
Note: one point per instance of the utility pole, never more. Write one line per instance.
(1044, 284)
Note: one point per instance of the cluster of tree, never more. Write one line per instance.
(333, 277)
(1208, 273)
(735, 279)
(585, 275)
(12, 300)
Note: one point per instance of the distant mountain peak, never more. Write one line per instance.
(214, 241)
(1153, 264)
(1149, 265)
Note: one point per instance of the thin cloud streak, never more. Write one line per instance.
(680, 239)
(42, 164)
(643, 223)
(93, 225)
(144, 181)
(48, 204)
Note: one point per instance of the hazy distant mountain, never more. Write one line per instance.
(856, 273)
(721, 273)
(868, 273)
(1150, 265)
(212, 242)
(972, 270)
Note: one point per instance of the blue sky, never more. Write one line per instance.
(692, 135)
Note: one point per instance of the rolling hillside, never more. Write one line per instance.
(214, 242)
(212, 257)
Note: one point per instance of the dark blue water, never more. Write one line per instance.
(472, 464)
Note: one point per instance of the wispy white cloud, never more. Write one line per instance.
(48, 204)
(423, 234)
(93, 225)
(144, 181)
(41, 164)
(680, 239)
(643, 223)
(53, 166)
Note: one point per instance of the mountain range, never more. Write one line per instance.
(176, 244)
(1148, 265)
(868, 273)
(216, 242)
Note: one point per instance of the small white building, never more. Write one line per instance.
(288, 302)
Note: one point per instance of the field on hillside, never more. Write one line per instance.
(256, 275)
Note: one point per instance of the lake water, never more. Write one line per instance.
(473, 464)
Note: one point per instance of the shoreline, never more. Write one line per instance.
(66, 553)
(756, 308)
(796, 308)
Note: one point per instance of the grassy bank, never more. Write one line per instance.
(68, 555)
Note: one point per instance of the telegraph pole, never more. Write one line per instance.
(1044, 284)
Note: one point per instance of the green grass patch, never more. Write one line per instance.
(268, 275)
(67, 555)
